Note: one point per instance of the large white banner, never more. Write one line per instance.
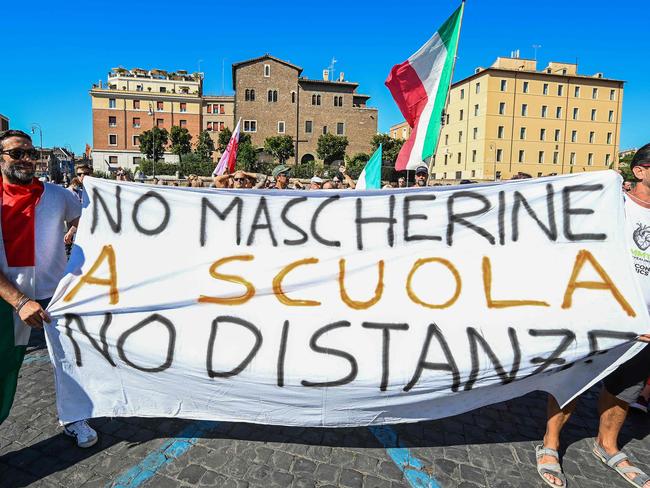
(341, 308)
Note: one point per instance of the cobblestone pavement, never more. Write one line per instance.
(491, 447)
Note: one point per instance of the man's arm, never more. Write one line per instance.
(72, 230)
(30, 311)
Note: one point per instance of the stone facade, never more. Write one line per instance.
(284, 103)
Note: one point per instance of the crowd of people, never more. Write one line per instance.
(28, 202)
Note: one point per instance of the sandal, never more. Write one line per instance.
(554, 469)
(614, 460)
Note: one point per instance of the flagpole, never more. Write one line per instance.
(451, 81)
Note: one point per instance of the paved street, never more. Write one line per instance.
(491, 447)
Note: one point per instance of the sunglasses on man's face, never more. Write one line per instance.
(18, 154)
(86, 174)
(240, 179)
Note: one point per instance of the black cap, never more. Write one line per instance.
(422, 169)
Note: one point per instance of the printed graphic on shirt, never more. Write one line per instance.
(641, 236)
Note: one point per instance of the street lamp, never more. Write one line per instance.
(153, 137)
(40, 131)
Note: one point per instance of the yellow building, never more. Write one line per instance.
(511, 118)
(400, 131)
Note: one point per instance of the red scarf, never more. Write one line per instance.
(19, 221)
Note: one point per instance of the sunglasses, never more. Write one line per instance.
(86, 174)
(18, 154)
(239, 179)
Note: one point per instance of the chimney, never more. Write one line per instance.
(341, 76)
(326, 75)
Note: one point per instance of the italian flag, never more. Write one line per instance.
(229, 156)
(420, 85)
(18, 266)
(370, 177)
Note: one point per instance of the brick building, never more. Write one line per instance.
(4, 122)
(273, 99)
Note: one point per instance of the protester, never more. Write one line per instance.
(316, 183)
(281, 175)
(401, 182)
(76, 187)
(34, 216)
(348, 182)
(625, 384)
(421, 175)
(627, 186)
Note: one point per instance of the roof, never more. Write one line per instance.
(328, 82)
(481, 71)
(226, 98)
(240, 64)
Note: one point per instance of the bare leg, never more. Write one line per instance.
(556, 418)
(612, 416)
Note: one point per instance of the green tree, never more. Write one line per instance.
(181, 141)
(624, 166)
(356, 163)
(280, 147)
(390, 147)
(331, 147)
(247, 156)
(204, 146)
(153, 142)
(224, 138)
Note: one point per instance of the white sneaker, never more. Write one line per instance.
(82, 432)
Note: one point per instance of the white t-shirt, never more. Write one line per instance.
(56, 207)
(638, 235)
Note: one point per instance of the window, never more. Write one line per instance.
(183, 107)
(446, 157)
(557, 135)
(609, 138)
(250, 125)
(612, 95)
(473, 156)
(556, 155)
(222, 125)
(572, 159)
(522, 155)
(324, 129)
(593, 114)
(560, 90)
(473, 173)
(460, 115)
(610, 116)
(160, 105)
(576, 92)
(222, 108)
(160, 122)
(540, 157)
(524, 109)
(249, 95)
(574, 136)
(500, 130)
(446, 139)
(163, 89)
(544, 111)
(183, 123)
(564, 71)
(139, 87)
(136, 160)
(502, 108)
(293, 97)
(136, 104)
(136, 122)
(338, 101)
(458, 158)
(478, 88)
(112, 160)
(545, 89)
(340, 128)
(504, 85)
(460, 136)
(111, 103)
(476, 110)
(267, 70)
(558, 112)
(112, 139)
(208, 107)
(475, 133)
(281, 127)
(522, 133)
(136, 140)
(462, 94)
(499, 155)
(576, 113)
(112, 121)
(591, 137)
(209, 127)
(607, 159)
(272, 96)
(542, 134)
(498, 175)
(315, 99)
(525, 87)
(459, 174)
(590, 159)
(594, 93)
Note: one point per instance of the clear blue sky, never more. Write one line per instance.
(63, 47)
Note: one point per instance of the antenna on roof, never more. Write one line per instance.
(536, 47)
(331, 68)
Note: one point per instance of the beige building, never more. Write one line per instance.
(133, 101)
(272, 98)
(217, 114)
(512, 118)
(400, 131)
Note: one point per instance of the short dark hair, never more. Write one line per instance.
(6, 134)
(642, 156)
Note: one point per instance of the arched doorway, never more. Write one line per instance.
(307, 158)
